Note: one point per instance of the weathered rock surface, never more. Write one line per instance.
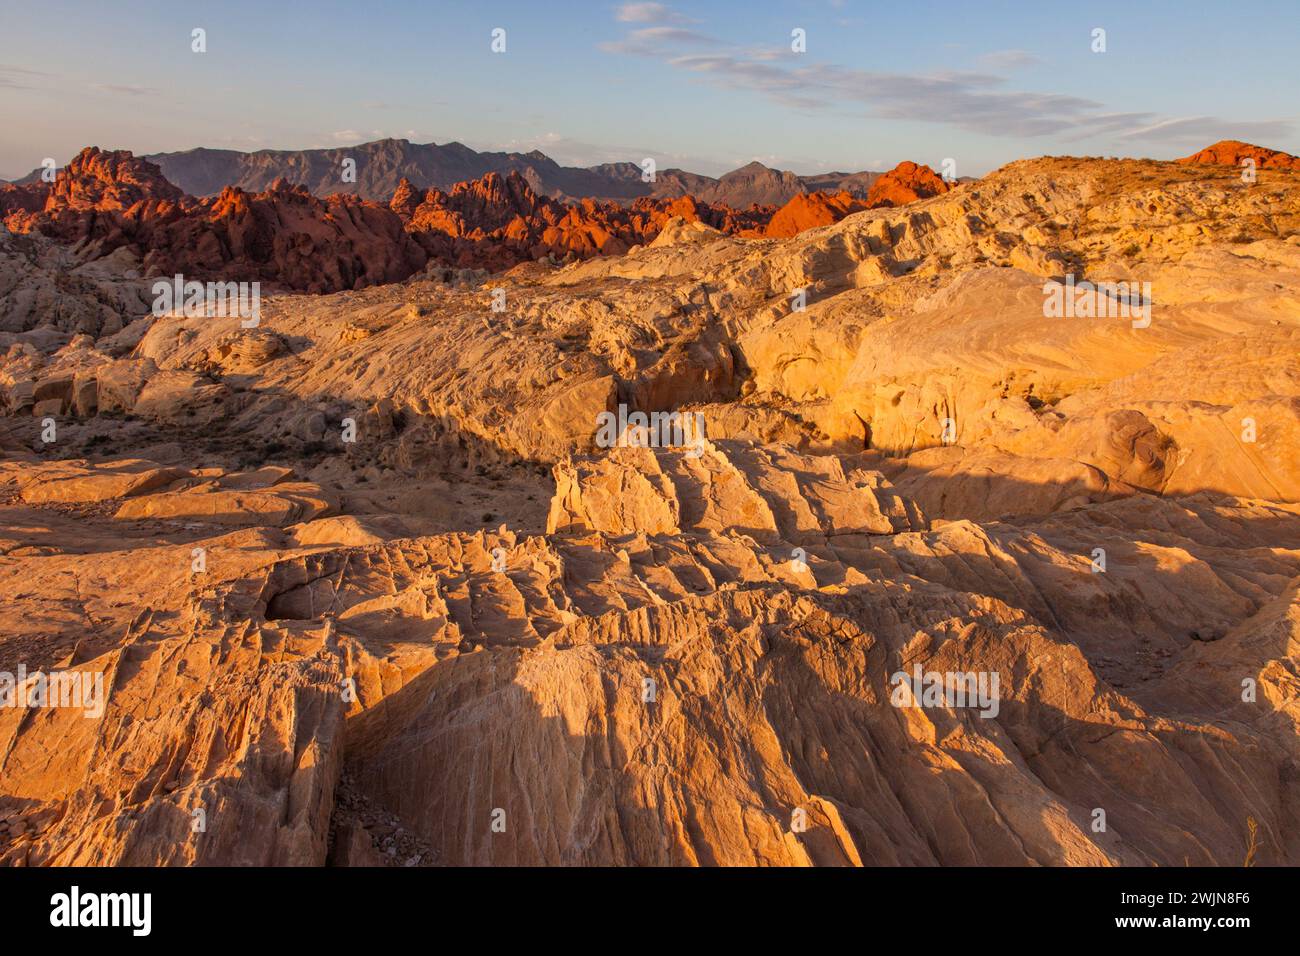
(767, 493)
(364, 585)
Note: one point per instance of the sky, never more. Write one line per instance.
(706, 86)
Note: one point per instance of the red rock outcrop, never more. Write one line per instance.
(907, 182)
(809, 210)
(406, 199)
(112, 200)
(1230, 152)
(107, 181)
(499, 221)
(95, 196)
(651, 215)
(19, 202)
(287, 236)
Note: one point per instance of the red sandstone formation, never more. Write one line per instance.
(808, 210)
(499, 221)
(97, 196)
(406, 199)
(287, 236)
(284, 235)
(907, 182)
(109, 181)
(1230, 152)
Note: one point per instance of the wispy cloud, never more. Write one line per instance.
(17, 77)
(1198, 130)
(650, 13)
(1010, 60)
(124, 89)
(653, 41)
(670, 35)
(353, 137)
(974, 101)
(970, 101)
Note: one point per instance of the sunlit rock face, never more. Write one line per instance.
(911, 537)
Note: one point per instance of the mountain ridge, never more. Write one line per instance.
(382, 164)
(106, 201)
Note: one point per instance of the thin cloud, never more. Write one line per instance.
(1010, 60)
(16, 77)
(124, 89)
(977, 102)
(650, 13)
(1197, 130)
(653, 41)
(670, 35)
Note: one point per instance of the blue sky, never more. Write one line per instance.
(705, 86)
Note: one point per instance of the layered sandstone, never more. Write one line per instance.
(365, 584)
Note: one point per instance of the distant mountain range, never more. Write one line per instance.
(105, 201)
(381, 166)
